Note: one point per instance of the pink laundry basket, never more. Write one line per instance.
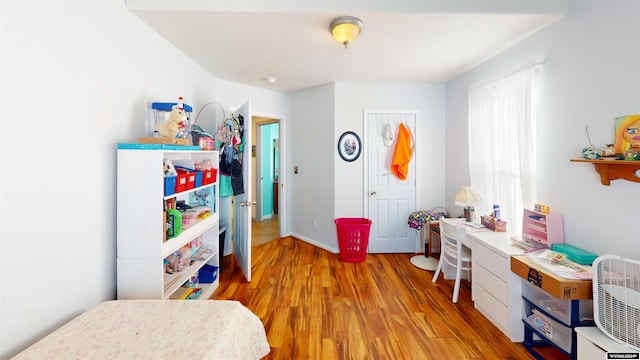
(353, 238)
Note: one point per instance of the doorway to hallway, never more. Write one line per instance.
(264, 231)
(265, 222)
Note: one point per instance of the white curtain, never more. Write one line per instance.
(502, 138)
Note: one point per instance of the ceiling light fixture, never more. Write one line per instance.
(345, 29)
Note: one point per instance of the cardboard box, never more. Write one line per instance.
(163, 140)
(556, 285)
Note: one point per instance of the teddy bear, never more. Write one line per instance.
(176, 122)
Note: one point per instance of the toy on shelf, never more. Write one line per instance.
(169, 169)
(541, 208)
(169, 124)
(174, 126)
(174, 223)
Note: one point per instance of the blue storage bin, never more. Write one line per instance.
(208, 274)
(199, 175)
(169, 185)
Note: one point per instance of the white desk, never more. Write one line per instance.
(495, 290)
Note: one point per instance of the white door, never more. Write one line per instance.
(390, 200)
(242, 202)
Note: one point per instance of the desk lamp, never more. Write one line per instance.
(467, 198)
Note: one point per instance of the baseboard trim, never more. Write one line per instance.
(315, 243)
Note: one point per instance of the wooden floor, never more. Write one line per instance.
(264, 231)
(314, 306)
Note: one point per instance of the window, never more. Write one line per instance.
(502, 138)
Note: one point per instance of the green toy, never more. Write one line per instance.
(174, 223)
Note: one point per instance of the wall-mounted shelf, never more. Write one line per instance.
(615, 169)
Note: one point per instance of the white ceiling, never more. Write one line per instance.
(402, 41)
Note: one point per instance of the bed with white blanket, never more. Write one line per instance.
(157, 329)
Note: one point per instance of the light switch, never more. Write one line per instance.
(295, 169)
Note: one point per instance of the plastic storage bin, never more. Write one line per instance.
(208, 274)
(209, 176)
(575, 254)
(181, 183)
(570, 312)
(199, 175)
(189, 176)
(191, 180)
(170, 185)
(556, 332)
(353, 238)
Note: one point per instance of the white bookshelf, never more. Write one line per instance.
(142, 244)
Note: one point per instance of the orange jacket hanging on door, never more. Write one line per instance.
(402, 154)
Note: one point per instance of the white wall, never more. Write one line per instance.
(591, 74)
(311, 190)
(264, 102)
(352, 99)
(77, 78)
(335, 188)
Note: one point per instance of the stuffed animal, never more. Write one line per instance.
(173, 125)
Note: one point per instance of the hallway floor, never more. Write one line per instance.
(264, 231)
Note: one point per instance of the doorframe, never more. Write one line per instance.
(260, 168)
(257, 145)
(365, 154)
(282, 176)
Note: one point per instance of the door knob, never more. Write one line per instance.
(373, 193)
(247, 203)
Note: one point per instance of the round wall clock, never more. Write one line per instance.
(349, 146)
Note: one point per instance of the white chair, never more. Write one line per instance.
(453, 253)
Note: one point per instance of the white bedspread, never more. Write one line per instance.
(157, 329)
